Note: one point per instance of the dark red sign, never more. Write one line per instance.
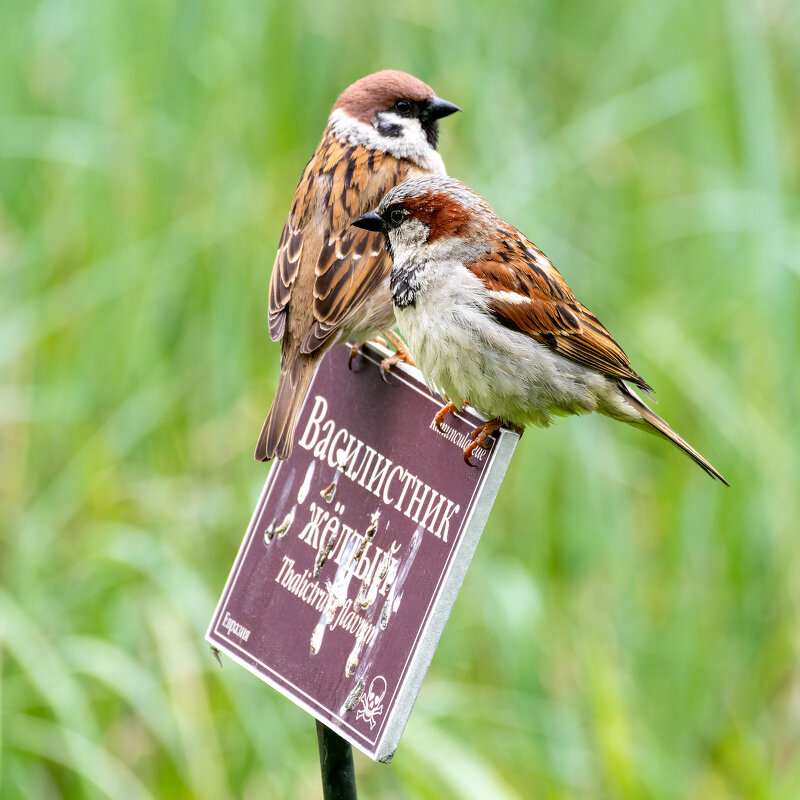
(357, 549)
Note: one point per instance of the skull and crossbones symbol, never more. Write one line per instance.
(372, 701)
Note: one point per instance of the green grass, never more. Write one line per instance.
(628, 628)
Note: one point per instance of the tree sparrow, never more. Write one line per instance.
(330, 282)
(491, 322)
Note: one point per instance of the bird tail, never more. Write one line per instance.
(277, 435)
(654, 424)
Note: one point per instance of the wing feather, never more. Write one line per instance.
(340, 183)
(527, 294)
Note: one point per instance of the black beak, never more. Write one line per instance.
(439, 108)
(372, 221)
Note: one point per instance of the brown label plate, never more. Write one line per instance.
(357, 548)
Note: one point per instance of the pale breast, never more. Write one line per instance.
(465, 354)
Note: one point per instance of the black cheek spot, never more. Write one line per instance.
(385, 128)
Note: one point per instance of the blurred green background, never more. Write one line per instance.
(628, 628)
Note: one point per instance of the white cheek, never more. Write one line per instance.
(411, 144)
(412, 137)
(410, 244)
(407, 240)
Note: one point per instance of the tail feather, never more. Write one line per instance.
(277, 434)
(661, 427)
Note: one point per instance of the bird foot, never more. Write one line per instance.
(450, 408)
(401, 354)
(479, 436)
(355, 350)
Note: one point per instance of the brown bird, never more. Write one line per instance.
(492, 323)
(330, 282)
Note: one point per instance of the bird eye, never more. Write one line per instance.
(403, 107)
(396, 215)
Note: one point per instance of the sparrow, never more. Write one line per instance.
(492, 323)
(330, 282)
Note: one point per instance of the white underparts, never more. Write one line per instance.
(465, 353)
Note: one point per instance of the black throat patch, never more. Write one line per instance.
(404, 284)
(431, 128)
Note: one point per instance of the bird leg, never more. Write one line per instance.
(450, 408)
(355, 350)
(479, 436)
(401, 353)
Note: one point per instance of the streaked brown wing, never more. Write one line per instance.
(529, 295)
(339, 184)
(354, 265)
(290, 248)
(354, 262)
(284, 273)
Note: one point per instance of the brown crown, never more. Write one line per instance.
(443, 215)
(379, 91)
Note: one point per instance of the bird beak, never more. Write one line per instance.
(371, 222)
(439, 108)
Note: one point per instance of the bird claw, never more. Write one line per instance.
(386, 365)
(355, 350)
(450, 408)
(467, 461)
(479, 436)
(470, 448)
(401, 355)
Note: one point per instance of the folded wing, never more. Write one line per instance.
(340, 183)
(529, 295)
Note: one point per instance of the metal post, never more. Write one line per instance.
(336, 764)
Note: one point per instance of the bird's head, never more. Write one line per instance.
(432, 212)
(391, 111)
(429, 222)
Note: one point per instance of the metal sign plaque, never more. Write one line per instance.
(357, 549)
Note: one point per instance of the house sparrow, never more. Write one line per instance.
(490, 321)
(330, 282)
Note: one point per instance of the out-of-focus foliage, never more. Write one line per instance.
(628, 628)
